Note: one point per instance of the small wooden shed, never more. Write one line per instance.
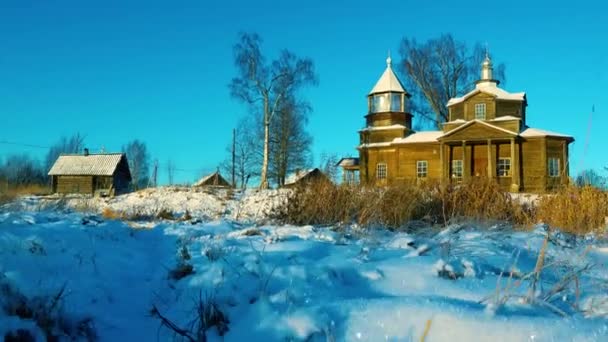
(304, 177)
(104, 174)
(214, 179)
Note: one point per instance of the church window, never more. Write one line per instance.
(422, 167)
(381, 171)
(553, 167)
(480, 111)
(504, 167)
(457, 168)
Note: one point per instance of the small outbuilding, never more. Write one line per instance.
(304, 177)
(214, 179)
(104, 174)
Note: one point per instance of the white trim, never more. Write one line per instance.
(382, 128)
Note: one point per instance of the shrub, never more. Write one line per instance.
(46, 312)
(577, 210)
(480, 199)
(165, 214)
(208, 315)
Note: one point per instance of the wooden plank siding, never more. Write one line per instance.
(477, 131)
(510, 125)
(457, 112)
(533, 165)
(512, 108)
(74, 184)
(409, 155)
(469, 106)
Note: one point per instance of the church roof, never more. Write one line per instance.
(489, 87)
(388, 81)
(535, 132)
(420, 137)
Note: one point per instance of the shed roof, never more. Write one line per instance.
(212, 179)
(100, 164)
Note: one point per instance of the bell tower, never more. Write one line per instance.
(387, 109)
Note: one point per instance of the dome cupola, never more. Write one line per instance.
(388, 95)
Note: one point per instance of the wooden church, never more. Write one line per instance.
(486, 136)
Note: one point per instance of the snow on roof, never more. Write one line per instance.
(489, 87)
(348, 161)
(420, 137)
(204, 179)
(388, 81)
(480, 122)
(506, 118)
(535, 132)
(380, 144)
(296, 176)
(455, 121)
(102, 164)
(382, 128)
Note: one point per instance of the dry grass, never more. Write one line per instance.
(574, 209)
(396, 205)
(9, 193)
(110, 214)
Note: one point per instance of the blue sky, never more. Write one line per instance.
(158, 71)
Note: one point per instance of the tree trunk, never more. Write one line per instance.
(264, 175)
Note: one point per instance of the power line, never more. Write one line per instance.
(22, 144)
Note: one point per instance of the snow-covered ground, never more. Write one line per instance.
(298, 283)
(201, 203)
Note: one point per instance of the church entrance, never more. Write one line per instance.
(479, 159)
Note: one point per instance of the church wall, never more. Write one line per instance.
(513, 108)
(513, 126)
(457, 112)
(385, 135)
(555, 149)
(469, 106)
(409, 154)
(534, 165)
(381, 155)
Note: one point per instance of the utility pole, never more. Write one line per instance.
(233, 157)
(155, 172)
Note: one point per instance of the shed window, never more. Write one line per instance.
(422, 167)
(480, 111)
(553, 167)
(381, 171)
(457, 168)
(504, 167)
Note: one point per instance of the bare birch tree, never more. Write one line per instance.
(264, 86)
(290, 144)
(73, 144)
(139, 165)
(438, 70)
(247, 152)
